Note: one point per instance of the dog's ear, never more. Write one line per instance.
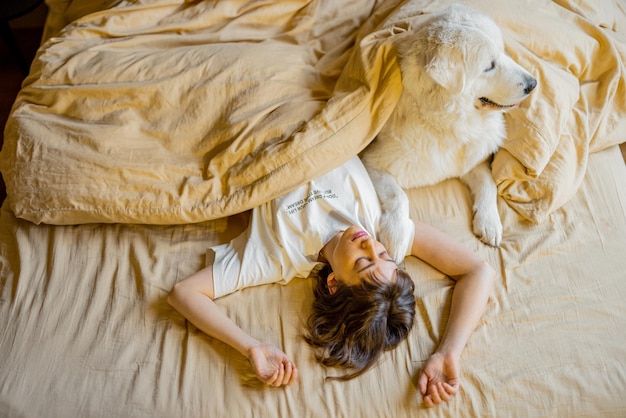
(443, 68)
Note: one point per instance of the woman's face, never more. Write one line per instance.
(353, 255)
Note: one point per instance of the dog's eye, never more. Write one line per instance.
(492, 66)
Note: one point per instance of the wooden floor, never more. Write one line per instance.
(11, 77)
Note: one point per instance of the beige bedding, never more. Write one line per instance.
(163, 112)
(85, 330)
(167, 112)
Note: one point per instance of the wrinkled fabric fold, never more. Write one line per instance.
(178, 112)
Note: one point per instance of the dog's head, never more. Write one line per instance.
(462, 51)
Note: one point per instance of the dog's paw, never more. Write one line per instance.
(488, 227)
(395, 234)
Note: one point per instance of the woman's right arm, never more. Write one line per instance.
(193, 298)
(439, 380)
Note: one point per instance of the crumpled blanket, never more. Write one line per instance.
(168, 112)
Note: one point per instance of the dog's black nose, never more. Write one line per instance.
(531, 83)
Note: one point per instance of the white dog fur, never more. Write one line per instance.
(457, 81)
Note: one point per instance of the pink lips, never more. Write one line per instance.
(359, 235)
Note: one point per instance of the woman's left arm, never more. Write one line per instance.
(439, 380)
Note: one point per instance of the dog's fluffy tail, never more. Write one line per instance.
(396, 227)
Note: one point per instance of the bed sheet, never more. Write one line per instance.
(85, 330)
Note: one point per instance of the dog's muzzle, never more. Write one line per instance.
(529, 85)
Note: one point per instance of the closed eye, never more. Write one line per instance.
(363, 263)
(492, 66)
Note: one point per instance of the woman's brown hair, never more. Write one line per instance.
(353, 326)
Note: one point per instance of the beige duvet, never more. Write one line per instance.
(167, 112)
(175, 114)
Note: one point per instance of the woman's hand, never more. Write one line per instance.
(439, 380)
(272, 366)
(193, 298)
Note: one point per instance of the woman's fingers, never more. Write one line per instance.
(452, 390)
(422, 382)
(281, 374)
(438, 393)
(443, 394)
(270, 380)
(434, 394)
(287, 376)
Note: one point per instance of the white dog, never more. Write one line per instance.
(457, 81)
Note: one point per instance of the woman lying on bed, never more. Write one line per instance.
(364, 304)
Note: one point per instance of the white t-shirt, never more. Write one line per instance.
(285, 235)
